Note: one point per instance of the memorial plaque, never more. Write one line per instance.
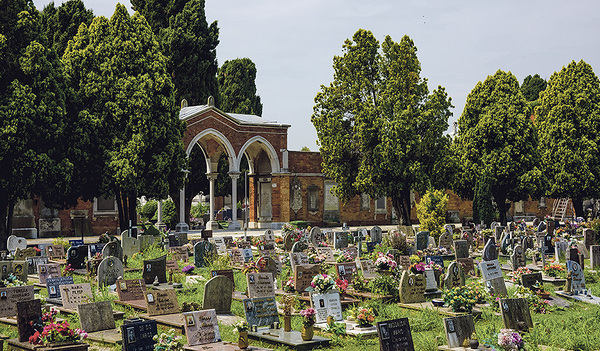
(219, 243)
(22, 254)
(34, 262)
(394, 335)
(368, 269)
(316, 236)
(131, 289)
(201, 327)
(577, 277)
(490, 269)
(528, 280)
(515, 313)
(138, 335)
(412, 287)
(455, 276)
(345, 270)
(224, 272)
(27, 311)
(76, 256)
(403, 261)
(55, 251)
(154, 268)
(109, 270)
(261, 311)
(53, 284)
(236, 256)
(218, 292)
(50, 270)
(496, 287)
(458, 329)
(94, 249)
(468, 265)
(303, 276)
(298, 258)
(247, 255)
(245, 244)
(446, 241)
(267, 264)
(161, 302)
(76, 242)
(328, 252)
(96, 316)
(439, 260)
(327, 304)
(260, 285)
(75, 294)
(340, 240)
(172, 265)
(10, 296)
(461, 249)
(204, 253)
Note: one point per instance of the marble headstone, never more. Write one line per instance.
(261, 311)
(303, 276)
(515, 314)
(412, 287)
(577, 278)
(75, 294)
(458, 329)
(109, 270)
(345, 270)
(162, 302)
(516, 259)
(113, 249)
(446, 241)
(10, 296)
(13, 242)
(130, 245)
(461, 248)
(455, 276)
(340, 240)
(327, 304)
(50, 270)
(490, 251)
(376, 234)
(260, 285)
(201, 327)
(218, 293)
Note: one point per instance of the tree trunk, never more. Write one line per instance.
(9, 218)
(402, 206)
(123, 211)
(578, 207)
(3, 222)
(133, 209)
(501, 204)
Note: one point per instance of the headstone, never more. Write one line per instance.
(76, 242)
(351, 251)
(458, 329)
(528, 280)
(162, 302)
(431, 242)
(19, 269)
(245, 244)
(421, 240)
(371, 246)
(340, 240)
(431, 283)
(328, 252)
(218, 293)
(50, 270)
(153, 268)
(224, 272)
(288, 241)
(412, 287)
(298, 258)
(468, 265)
(572, 254)
(247, 255)
(22, 254)
(55, 251)
(461, 248)
(173, 240)
(515, 313)
(130, 245)
(260, 285)
(439, 260)
(267, 264)
(27, 312)
(550, 226)
(368, 269)
(34, 262)
(131, 289)
(446, 241)
(303, 276)
(455, 276)
(201, 327)
(96, 316)
(93, 249)
(203, 253)
(179, 253)
(109, 270)
(490, 269)
(394, 335)
(577, 278)
(345, 270)
(490, 251)
(53, 284)
(138, 335)
(316, 236)
(403, 261)
(327, 304)
(236, 256)
(75, 294)
(376, 234)
(14, 242)
(10, 296)
(589, 237)
(595, 256)
(516, 259)
(261, 311)
(76, 256)
(536, 222)
(113, 249)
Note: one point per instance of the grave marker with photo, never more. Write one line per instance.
(395, 335)
(162, 302)
(261, 311)
(50, 270)
(201, 327)
(76, 256)
(55, 251)
(458, 329)
(154, 268)
(327, 304)
(412, 287)
(75, 294)
(455, 276)
(345, 270)
(53, 284)
(303, 276)
(260, 285)
(138, 335)
(515, 314)
(10, 296)
(131, 289)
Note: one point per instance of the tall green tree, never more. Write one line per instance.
(568, 123)
(496, 135)
(126, 93)
(33, 98)
(60, 24)
(237, 87)
(190, 46)
(380, 131)
(532, 87)
(158, 12)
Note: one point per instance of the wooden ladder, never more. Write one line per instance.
(559, 208)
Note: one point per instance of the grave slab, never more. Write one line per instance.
(291, 339)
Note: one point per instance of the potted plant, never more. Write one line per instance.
(242, 328)
(363, 316)
(461, 298)
(308, 323)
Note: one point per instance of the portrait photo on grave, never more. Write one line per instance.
(189, 319)
(249, 306)
(150, 298)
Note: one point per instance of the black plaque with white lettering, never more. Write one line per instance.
(394, 335)
(137, 335)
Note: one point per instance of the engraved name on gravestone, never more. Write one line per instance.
(201, 327)
(93, 249)
(260, 285)
(76, 256)
(446, 241)
(96, 316)
(236, 255)
(340, 240)
(394, 335)
(303, 276)
(422, 240)
(515, 313)
(461, 249)
(261, 311)
(327, 304)
(458, 329)
(455, 276)
(27, 311)
(490, 251)
(10, 296)
(50, 270)
(328, 252)
(267, 264)
(22, 254)
(75, 294)
(496, 287)
(153, 268)
(516, 259)
(247, 255)
(298, 258)
(345, 270)
(412, 287)
(439, 260)
(179, 253)
(162, 302)
(109, 270)
(131, 289)
(577, 277)
(490, 269)
(220, 244)
(34, 262)
(224, 272)
(218, 293)
(55, 251)
(138, 335)
(368, 269)
(53, 284)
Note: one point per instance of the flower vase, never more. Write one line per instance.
(243, 340)
(287, 323)
(308, 333)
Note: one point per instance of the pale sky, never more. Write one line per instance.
(459, 43)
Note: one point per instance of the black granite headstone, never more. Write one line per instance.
(395, 335)
(52, 285)
(76, 256)
(153, 268)
(439, 260)
(137, 334)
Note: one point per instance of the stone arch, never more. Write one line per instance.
(251, 152)
(223, 142)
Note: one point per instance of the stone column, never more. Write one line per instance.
(182, 226)
(212, 224)
(159, 223)
(235, 225)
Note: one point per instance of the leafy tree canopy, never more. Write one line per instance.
(380, 131)
(496, 135)
(60, 24)
(532, 87)
(158, 12)
(568, 122)
(237, 87)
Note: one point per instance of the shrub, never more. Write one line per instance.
(148, 210)
(169, 213)
(431, 211)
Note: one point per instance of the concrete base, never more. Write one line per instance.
(212, 225)
(161, 226)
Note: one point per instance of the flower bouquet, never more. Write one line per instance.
(240, 326)
(168, 341)
(189, 269)
(342, 285)
(510, 340)
(322, 283)
(516, 275)
(308, 317)
(344, 256)
(418, 268)
(555, 270)
(288, 286)
(47, 331)
(385, 262)
(363, 316)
